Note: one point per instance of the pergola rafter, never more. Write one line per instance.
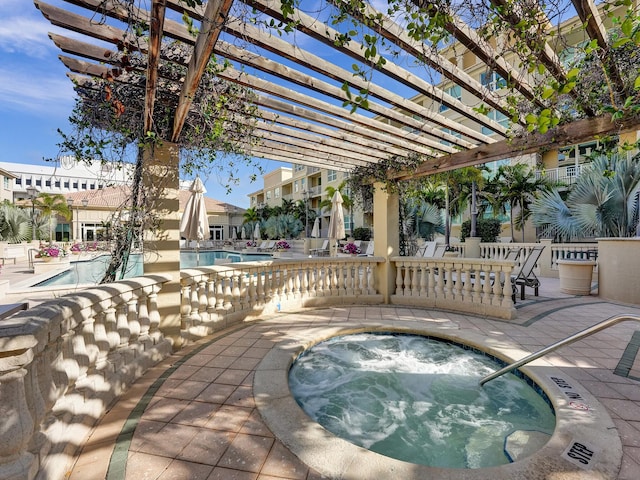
(301, 112)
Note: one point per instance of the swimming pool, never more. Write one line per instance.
(91, 271)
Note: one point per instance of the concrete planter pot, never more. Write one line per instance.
(575, 276)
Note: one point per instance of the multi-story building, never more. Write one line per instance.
(307, 184)
(94, 193)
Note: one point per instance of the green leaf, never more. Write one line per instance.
(548, 93)
(621, 42)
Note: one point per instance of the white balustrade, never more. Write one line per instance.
(462, 284)
(64, 361)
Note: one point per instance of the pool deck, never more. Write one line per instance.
(194, 416)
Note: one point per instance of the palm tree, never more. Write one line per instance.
(250, 215)
(603, 202)
(457, 186)
(517, 186)
(51, 205)
(347, 202)
(14, 223)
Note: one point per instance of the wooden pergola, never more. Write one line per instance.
(299, 94)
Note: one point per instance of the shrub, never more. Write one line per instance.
(488, 229)
(362, 233)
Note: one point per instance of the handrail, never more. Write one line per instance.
(573, 338)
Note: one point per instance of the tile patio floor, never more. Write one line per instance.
(194, 417)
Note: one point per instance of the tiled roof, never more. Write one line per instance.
(113, 197)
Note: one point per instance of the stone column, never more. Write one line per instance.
(472, 247)
(386, 240)
(162, 248)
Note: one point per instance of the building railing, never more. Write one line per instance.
(566, 174)
(63, 362)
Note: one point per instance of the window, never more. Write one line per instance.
(332, 175)
(303, 184)
(28, 181)
(75, 184)
(66, 184)
(38, 183)
(348, 224)
(492, 81)
(296, 186)
(277, 192)
(6, 182)
(455, 91)
(268, 194)
(297, 168)
(47, 183)
(18, 181)
(84, 186)
(499, 117)
(450, 132)
(92, 186)
(57, 183)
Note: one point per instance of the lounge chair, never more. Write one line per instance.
(369, 251)
(322, 251)
(426, 250)
(270, 246)
(524, 275)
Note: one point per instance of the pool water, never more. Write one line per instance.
(416, 399)
(92, 271)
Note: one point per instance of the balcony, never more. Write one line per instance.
(566, 175)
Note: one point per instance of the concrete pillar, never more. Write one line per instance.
(386, 238)
(162, 248)
(544, 262)
(472, 247)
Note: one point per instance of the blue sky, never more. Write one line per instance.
(36, 97)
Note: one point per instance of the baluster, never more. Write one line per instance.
(143, 316)
(122, 321)
(17, 421)
(507, 288)
(185, 303)
(219, 291)
(291, 272)
(132, 316)
(203, 301)
(313, 284)
(252, 291)
(408, 286)
(228, 293)
(297, 283)
(461, 278)
(102, 340)
(440, 279)
(415, 283)
(195, 317)
(236, 291)
(486, 296)
(260, 286)
(211, 297)
(154, 314)
(328, 271)
(399, 275)
(423, 282)
(305, 280)
(320, 282)
(482, 276)
(349, 287)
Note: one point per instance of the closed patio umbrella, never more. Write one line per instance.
(315, 231)
(256, 232)
(336, 221)
(194, 224)
(235, 233)
(243, 233)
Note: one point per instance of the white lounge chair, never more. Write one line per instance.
(271, 244)
(322, 251)
(369, 251)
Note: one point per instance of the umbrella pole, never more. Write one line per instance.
(197, 253)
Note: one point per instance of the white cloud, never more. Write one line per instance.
(46, 95)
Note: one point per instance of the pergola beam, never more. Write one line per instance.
(215, 13)
(568, 134)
